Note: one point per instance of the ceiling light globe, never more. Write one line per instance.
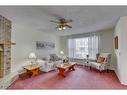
(64, 28)
(60, 29)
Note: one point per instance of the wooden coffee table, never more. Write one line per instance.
(65, 67)
(33, 69)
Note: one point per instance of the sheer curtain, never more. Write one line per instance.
(93, 46)
(71, 47)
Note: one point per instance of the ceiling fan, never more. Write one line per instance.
(62, 24)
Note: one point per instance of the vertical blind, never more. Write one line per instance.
(80, 47)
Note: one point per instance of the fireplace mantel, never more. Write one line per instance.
(7, 42)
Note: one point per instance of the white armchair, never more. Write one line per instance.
(102, 63)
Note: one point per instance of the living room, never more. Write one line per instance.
(96, 26)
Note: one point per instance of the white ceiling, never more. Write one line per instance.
(85, 18)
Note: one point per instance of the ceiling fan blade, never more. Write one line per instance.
(68, 26)
(54, 21)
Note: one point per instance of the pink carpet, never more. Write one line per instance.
(81, 78)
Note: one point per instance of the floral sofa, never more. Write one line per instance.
(50, 63)
(47, 66)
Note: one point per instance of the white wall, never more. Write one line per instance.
(105, 45)
(26, 42)
(121, 53)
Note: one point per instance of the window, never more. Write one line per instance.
(80, 47)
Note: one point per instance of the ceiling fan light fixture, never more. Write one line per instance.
(64, 28)
(59, 28)
(62, 24)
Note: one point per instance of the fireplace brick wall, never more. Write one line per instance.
(5, 46)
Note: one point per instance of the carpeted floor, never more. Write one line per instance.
(81, 78)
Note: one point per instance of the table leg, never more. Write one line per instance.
(29, 73)
(72, 68)
(35, 72)
(61, 72)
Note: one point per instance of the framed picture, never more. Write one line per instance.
(116, 42)
(44, 45)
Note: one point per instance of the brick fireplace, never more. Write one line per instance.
(5, 46)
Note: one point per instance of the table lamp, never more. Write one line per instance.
(62, 55)
(32, 57)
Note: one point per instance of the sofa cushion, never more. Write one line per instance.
(41, 62)
(95, 65)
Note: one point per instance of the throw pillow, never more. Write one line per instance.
(100, 59)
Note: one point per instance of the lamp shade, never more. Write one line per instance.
(32, 55)
(61, 52)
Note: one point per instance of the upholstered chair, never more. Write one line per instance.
(102, 62)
